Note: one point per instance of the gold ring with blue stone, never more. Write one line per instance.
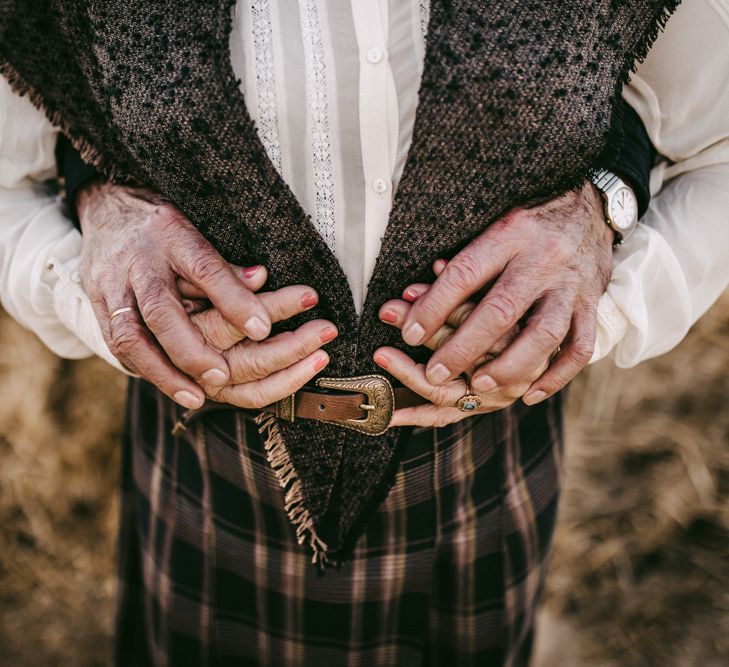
(469, 402)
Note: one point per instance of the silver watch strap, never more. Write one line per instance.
(604, 179)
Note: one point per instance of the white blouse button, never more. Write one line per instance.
(379, 185)
(76, 276)
(374, 55)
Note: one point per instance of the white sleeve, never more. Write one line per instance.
(675, 266)
(39, 247)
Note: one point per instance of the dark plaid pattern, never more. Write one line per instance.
(448, 571)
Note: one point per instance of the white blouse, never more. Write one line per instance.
(332, 88)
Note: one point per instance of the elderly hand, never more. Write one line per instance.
(141, 252)
(545, 266)
(264, 372)
(442, 409)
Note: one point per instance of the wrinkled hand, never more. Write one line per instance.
(544, 266)
(442, 409)
(140, 251)
(264, 372)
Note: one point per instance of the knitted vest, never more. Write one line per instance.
(517, 100)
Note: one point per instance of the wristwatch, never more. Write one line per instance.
(621, 204)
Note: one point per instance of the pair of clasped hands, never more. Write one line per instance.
(199, 327)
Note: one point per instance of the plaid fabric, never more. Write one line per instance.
(448, 571)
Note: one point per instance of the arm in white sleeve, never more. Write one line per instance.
(39, 247)
(675, 266)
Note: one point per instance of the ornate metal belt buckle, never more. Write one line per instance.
(380, 401)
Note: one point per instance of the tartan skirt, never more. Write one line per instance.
(448, 571)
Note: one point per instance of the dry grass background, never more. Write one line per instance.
(640, 570)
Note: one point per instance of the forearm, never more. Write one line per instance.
(666, 277)
(38, 244)
(670, 271)
(39, 250)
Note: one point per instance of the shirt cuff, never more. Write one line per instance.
(73, 306)
(612, 326)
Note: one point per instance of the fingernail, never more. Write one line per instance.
(327, 335)
(410, 295)
(215, 377)
(534, 397)
(440, 264)
(188, 400)
(484, 383)
(309, 300)
(438, 374)
(321, 361)
(388, 316)
(251, 271)
(414, 334)
(256, 329)
(382, 361)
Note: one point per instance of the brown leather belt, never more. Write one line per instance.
(364, 403)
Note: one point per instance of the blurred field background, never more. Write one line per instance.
(640, 570)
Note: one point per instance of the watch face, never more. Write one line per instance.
(623, 209)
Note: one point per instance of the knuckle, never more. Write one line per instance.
(207, 268)
(582, 352)
(427, 311)
(126, 340)
(554, 383)
(557, 250)
(283, 303)
(168, 218)
(550, 332)
(557, 378)
(254, 365)
(227, 333)
(207, 331)
(217, 332)
(157, 311)
(583, 346)
(303, 346)
(460, 356)
(501, 310)
(439, 395)
(505, 373)
(463, 273)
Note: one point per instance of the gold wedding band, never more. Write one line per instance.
(121, 311)
(440, 337)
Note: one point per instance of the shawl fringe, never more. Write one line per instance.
(280, 462)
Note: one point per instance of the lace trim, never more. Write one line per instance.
(424, 16)
(316, 94)
(266, 107)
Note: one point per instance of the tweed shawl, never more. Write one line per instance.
(518, 98)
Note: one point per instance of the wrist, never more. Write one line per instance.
(620, 205)
(84, 201)
(605, 235)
